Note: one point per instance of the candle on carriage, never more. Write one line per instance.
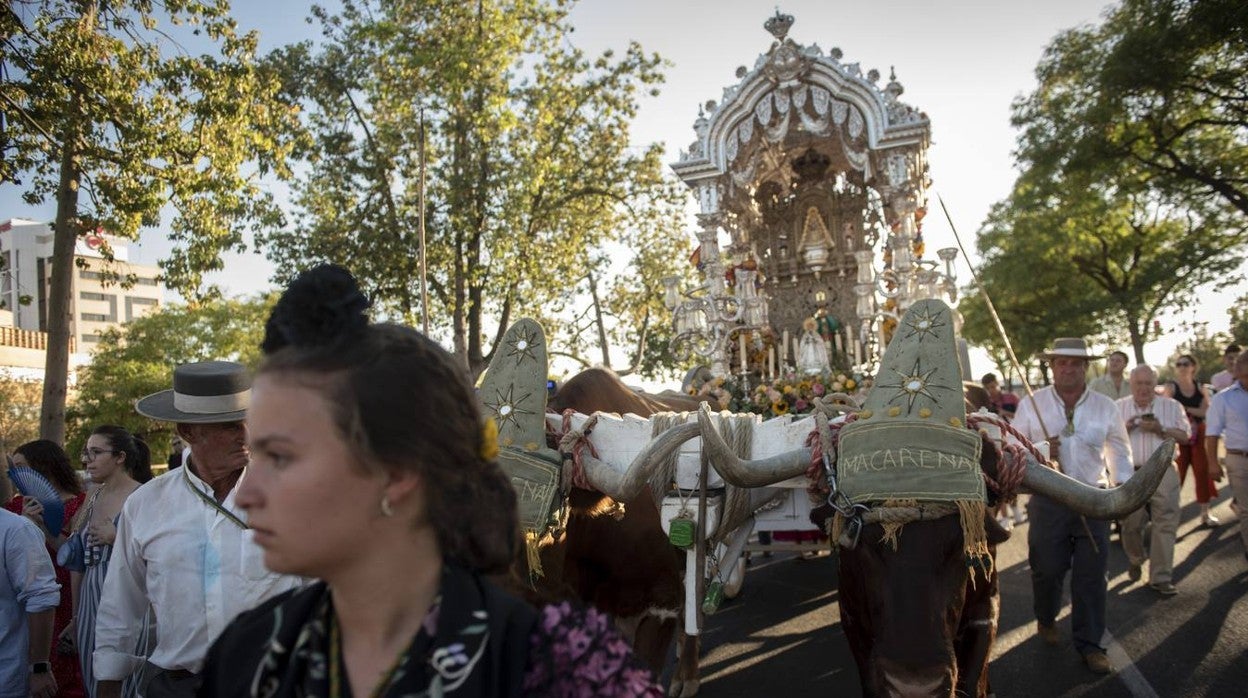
(850, 346)
(744, 365)
(771, 363)
(836, 339)
(784, 348)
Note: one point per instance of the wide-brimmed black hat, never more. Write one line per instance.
(208, 392)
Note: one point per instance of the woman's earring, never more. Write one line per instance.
(386, 510)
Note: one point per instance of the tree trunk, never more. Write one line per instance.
(599, 323)
(1137, 338)
(65, 234)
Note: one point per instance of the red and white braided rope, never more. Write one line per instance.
(573, 444)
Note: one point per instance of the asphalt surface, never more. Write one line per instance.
(782, 636)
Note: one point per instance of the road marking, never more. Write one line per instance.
(1126, 670)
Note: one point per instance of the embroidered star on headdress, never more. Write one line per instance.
(506, 406)
(913, 384)
(924, 324)
(522, 345)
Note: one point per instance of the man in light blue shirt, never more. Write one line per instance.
(29, 595)
(1228, 419)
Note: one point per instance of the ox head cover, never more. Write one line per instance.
(513, 393)
(910, 441)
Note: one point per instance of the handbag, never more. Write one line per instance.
(72, 554)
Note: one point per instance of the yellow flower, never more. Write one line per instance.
(955, 422)
(925, 412)
(780, 407)
(850, 384)
(788, 390)
(894, 411)
(489, 440)
(865, 414)
(809, 324)
(804, 386)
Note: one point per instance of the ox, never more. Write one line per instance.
(613, 551)
(919, 620)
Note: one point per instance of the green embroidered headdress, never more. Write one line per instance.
(910, 442)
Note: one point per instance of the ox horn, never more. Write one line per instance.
(1096, 503)
(761, 472)
(624, 486)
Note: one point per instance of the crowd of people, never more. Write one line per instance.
(1100, 432)
(312, 543)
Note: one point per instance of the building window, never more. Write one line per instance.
(93, 275)
(91, 296)
(90, 338)
(141, 301)
(143, 281)
(94, 317)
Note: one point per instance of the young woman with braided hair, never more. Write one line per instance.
(373, 471)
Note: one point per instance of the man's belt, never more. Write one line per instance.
(1237, 452)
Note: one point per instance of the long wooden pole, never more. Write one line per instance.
(996, 319)
(424, 272)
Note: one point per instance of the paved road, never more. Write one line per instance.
(782, 636)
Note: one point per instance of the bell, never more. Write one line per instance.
(681, 531)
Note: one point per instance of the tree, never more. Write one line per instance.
(530, 167)
(1098, 238)
(1102, 253)
(1161, 85)
(19, 411)
(138, 359)
(114, 120)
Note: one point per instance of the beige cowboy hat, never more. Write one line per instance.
(207, 392)
(1073, 347)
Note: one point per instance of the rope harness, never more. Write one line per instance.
(572, 446)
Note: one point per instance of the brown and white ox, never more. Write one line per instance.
(915, 622)
(618, 558)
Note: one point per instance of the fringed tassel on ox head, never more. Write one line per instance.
(975, 537)
(533, 554)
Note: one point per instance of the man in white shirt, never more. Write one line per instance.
(29, 596)
(1086, 434)
(182, 543)
(1226, 377)
(1228, 419)
(1113, 385)
(1150, 420)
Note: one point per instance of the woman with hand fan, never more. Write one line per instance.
(49, 461)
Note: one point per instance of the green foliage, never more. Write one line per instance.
(107, 90)
(138, 359)
(1095, 241)
(107, 114)
(530, 166)
(19, 411)
(1160, 85)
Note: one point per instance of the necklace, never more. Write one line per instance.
(336, 661)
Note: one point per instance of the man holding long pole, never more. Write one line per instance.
(1086, 434)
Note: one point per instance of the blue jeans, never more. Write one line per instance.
(1057, 542)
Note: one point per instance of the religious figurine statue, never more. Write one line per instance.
(812, 354)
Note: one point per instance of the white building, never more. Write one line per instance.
(95, 305)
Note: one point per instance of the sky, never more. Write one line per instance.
(962, 62)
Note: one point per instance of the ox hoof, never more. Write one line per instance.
(684, 689)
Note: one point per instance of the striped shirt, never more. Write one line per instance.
(1167, 410)
(1228, 417)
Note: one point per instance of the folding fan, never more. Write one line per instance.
(31, 484)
